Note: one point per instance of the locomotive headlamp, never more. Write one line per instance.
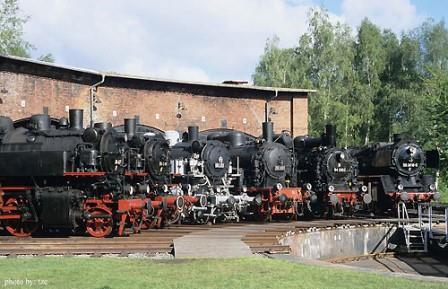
(279, 186)
(404, 196)
(432, 187)
(436, 196)
(340, 156)
(411, 150)
(308, 186)
(400, 187)
(364, 189)
(331, 188)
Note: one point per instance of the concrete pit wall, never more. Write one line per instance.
(340, 242)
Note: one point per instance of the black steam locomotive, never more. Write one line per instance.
(396, 171)
(204, 168)
(54, 174)
(265, 168)
(331, 172)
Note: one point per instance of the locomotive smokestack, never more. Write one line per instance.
(40, 122)
(330, 135)
(398, 137)
(103, 125)
(193, 132)
(76, 118)
(130, 126)
(268, 131)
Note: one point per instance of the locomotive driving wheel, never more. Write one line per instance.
(22, 227)
(100, 222)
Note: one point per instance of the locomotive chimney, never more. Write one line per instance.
(76, 118)
(268, 131)
(40, 122)
(102, 125)
(398, 137)
(130, 126)
(193, 132)
(330, 135)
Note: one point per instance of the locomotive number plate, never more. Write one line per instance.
(410, 165)
(339, 170)
(279, 168)
(219, 165)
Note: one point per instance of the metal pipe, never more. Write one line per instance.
(92, 92)
(268, 131)
(446, 224)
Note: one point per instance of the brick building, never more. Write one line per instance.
(29, 87)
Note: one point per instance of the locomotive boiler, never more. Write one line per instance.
(396, 171)
(332, 173)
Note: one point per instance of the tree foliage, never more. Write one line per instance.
(11, 32)
(371, 83)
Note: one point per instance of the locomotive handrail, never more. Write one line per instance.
(430, 217)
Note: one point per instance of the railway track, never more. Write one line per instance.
(260, 238)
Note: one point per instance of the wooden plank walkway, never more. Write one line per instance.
(213, 243)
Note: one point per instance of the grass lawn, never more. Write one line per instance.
(63, 272)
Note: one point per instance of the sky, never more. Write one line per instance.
(196, 40)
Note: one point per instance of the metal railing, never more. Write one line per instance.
(430, 219)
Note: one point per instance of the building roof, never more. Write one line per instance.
(90, 77)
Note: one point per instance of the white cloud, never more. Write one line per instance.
(194, 40)
(397, 15)
(191, 39)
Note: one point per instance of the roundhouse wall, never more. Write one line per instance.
(25, 94)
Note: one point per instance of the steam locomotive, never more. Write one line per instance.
(397, 171)
(265, 168)
(331, 172)
(54, 174)
(204, 168)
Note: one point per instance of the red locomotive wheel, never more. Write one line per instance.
(19, 228)
(100, 224)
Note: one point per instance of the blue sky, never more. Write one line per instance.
(199, 40)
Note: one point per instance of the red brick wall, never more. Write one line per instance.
(155, 108)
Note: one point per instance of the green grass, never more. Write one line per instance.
(61, 272)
